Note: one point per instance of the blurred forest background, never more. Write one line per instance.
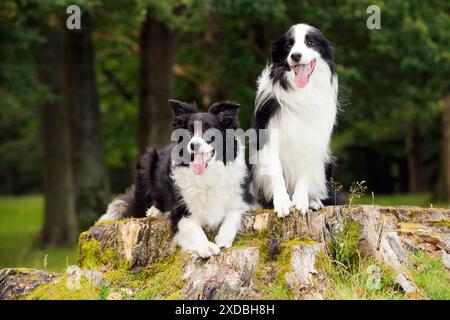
(77, 106)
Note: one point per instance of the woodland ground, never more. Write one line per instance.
(21, 218)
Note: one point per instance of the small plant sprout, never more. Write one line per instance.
(356, 191)
(45, 261)
(336, 186)
(373, 198)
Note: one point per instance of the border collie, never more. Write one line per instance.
(297, 103)
(204, 182)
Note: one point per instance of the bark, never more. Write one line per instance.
(89, 164)
(446, 148)
(60, 223)
(155, 83)
(414, 158)
(15, 283)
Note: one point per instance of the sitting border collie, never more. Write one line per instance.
(297, 103)
(209, 187)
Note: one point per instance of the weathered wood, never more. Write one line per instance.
(227, 276)
(15, 283)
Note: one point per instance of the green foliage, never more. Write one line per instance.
(104, 291)
(388, 78)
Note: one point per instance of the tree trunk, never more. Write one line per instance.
(89, 164)
(414, 158)
(446, 148)
(155, 82)
(60, 222)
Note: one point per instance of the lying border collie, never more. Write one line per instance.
(209, 188)
(297, 103)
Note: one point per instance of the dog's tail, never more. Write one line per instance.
(117, 208)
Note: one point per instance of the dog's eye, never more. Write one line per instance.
(309, 43)
(289, 45)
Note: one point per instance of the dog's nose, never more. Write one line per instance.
(194, 146)
(296, 56)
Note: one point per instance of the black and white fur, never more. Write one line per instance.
(297, 152)
(218, 197)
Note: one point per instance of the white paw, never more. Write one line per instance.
(301, 203)
(153, 212)
(282, 205)
(315, 204)
(223, 242)
(207, 249)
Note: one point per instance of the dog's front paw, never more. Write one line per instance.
(223, 241)
(153, 212)
(301, 203)
(207, 249)
(282, 205)
(315, 204)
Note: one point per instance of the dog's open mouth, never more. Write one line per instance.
(200, 162)
(303, 72)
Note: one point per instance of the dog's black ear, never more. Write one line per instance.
(226, 112)
(181, 108)
(279, 50)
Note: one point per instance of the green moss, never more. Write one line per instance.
(301, 242)
(280, 288)
(443, 223)
(412, 227)
(251, 239)
(105, 222)
(60, 290)
(88, 252)
(163, 279)
(270, 272)
(91, 256)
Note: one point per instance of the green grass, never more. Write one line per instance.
(430, 275)
(409, 199)
(349, 274)
(355, 284)
(20, 222)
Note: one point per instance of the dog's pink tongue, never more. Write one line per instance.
(301, 77)
(199, 164)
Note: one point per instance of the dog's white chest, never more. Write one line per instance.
(209, 196)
